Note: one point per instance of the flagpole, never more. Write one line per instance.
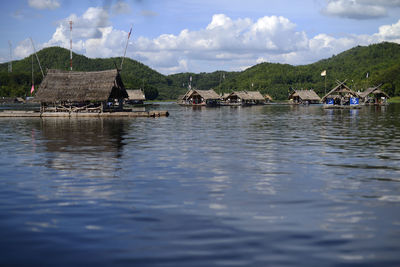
(37, 56)
(32, 69)
(323, 73)
(32, 76)
(127, 41)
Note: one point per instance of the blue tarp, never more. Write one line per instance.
(354, 101)
(329, 101)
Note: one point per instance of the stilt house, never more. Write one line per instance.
(73, 91)
(340, 95)
(201, 97)
(304, 97)
(135, 97)
(374, 96)
(245, 98)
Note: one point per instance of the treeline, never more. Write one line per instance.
(17, 84)
(378, 62)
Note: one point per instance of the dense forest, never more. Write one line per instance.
(379, 62)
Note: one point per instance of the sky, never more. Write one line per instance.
(173, 36)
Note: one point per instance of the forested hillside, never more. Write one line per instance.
(380, 61)
(17, 83)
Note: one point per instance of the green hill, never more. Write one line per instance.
(134, 73)
(380, 61)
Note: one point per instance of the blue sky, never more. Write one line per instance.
(174, 36)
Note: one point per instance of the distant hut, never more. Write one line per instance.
(374, 96)
(200, 98)
(255, 98)
(224, 96)
(304, 97)
(73, 91)
(341, 95)
(245, 98)
(135, 97)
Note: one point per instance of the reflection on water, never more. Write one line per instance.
(265, 185)
(89, 147)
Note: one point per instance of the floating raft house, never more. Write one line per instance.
(245, 98)
(374, 96)
(341, 97)
(195, 97)
(304, 97)
(135, 97)
(83, 94)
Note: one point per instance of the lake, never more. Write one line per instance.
(266, 185)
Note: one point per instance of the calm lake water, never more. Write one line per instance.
(271, 185)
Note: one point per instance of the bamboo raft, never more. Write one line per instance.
(37, 114)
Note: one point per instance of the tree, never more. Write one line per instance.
(150, 92)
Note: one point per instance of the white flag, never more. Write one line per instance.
(323, 73)
(367, 74)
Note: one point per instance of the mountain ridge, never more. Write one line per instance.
(380, 61)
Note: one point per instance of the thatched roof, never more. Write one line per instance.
(206, 94)
(247, 95)
(255, 95)
(136, 95)
(186, 96)
(305, 95)
(225, 95)
(340, 89)
(372, 90)
(74, 86)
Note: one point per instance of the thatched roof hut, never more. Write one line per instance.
(136, 95)
(376, 91)
(206, 94)
(199, 97)
(304, 96)
(245, 97)
(76, 87)
(254, 95)
(225, 95)
(341, 90)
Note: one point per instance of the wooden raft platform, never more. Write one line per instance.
(36, 114)
(342, 107)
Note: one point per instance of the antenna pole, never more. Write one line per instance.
(32, 69)
(127, 41)
(37, 56)
(10, 63)
(70, 44)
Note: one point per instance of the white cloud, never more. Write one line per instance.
(242, 42)
(389, 32)
(354, 9)
(44, 4)
(23, 49)
(359, 9)
(92, 27)
(225, 43)
(222, 40)
(392, 3)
